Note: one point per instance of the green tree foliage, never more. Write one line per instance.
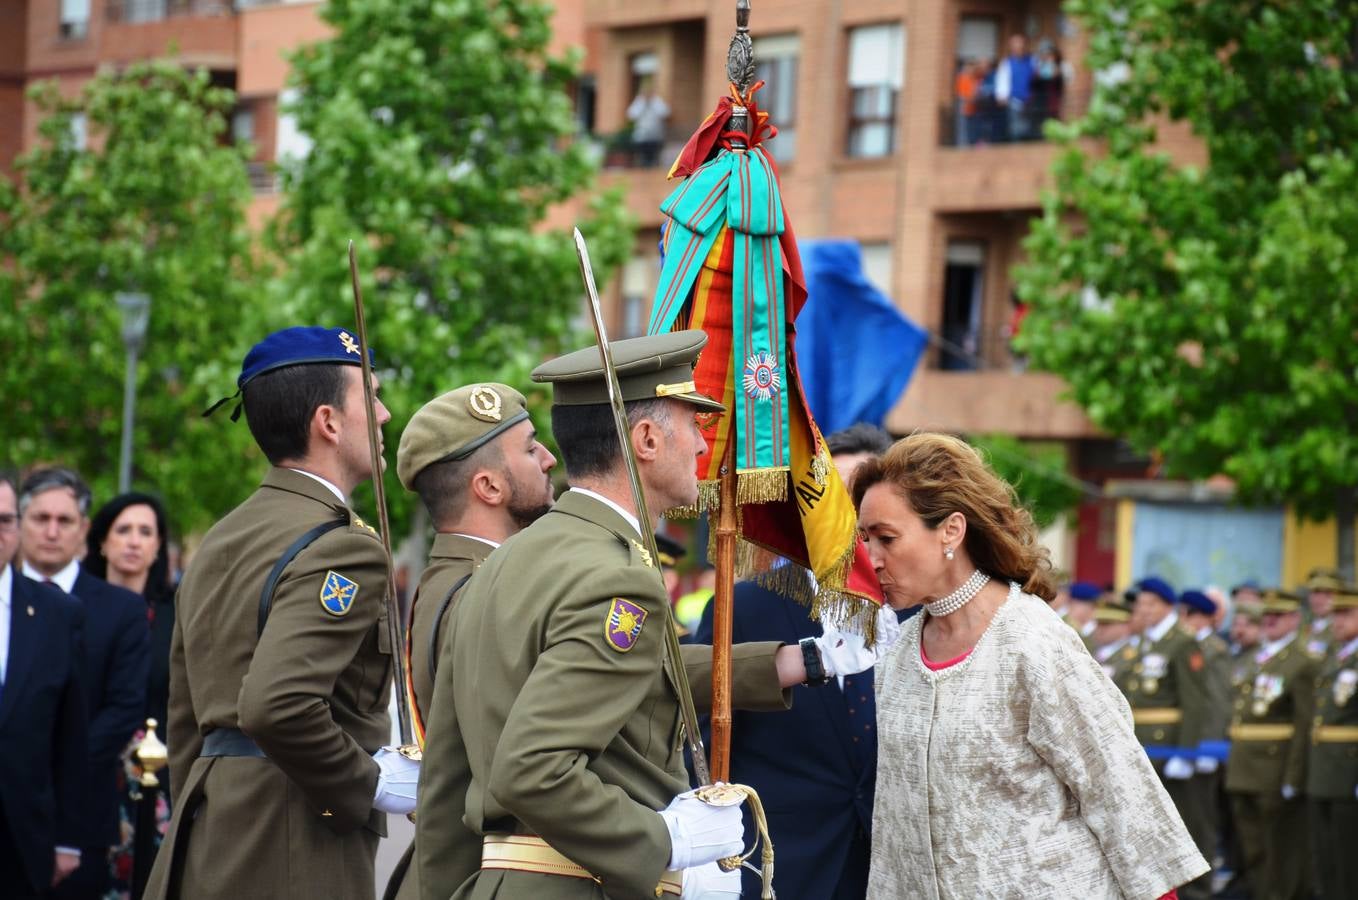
(443, 136)
(1038, 472)
(154, 202)
(1209, 313)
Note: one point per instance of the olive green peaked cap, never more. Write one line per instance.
(455, 425)
(658, 365)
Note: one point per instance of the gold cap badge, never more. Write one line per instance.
(485, 403)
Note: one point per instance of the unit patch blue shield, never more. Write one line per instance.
(338, 594)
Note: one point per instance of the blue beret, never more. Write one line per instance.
(1198, 601)
(1084, 590)
(300, 345)
(1159, 587)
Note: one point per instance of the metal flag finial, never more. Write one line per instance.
(740, 66)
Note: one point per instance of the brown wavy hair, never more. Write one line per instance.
(937, 475)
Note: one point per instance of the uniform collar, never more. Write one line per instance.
(330, 484)
(1106, 652)
(1159, 630)
(627, 516)
(306, 484)
(1203, 633)
(65, 579)
(457, 545)
(1270, 649)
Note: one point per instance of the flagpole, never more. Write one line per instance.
(740, 73)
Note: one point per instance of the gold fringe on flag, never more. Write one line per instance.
(762, 485)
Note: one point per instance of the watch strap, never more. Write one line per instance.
(815, 669)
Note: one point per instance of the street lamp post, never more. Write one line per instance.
(136, 310)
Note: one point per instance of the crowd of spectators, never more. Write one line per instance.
(1009, 100)
(86, 617)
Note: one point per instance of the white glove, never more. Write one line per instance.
(844, 651)
(1206, 764)
(396, 782)
(1289, 792)
(1178, 768)
(701, 834)
(710, 881)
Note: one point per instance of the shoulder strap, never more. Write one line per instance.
(438, 623)
(297, 546)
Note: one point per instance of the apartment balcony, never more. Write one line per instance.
(201, 32)
(624, 13)
(1024, 404)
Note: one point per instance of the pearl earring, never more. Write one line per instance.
(947, 553)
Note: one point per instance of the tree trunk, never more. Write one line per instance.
(1346, 504)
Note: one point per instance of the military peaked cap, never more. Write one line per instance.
(1277, 600)
(657, 365)
(455, 425)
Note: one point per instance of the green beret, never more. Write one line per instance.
(455, 425)
(658, 365)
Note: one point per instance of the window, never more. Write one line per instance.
(876, 75)
(640, 275)
(776, 65)
(877, 264)
(243, 124)
(79, 137)
(291, 144)
(75, 18)
(963, 298)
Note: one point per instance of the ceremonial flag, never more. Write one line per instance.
(855, 350)
(731, 267)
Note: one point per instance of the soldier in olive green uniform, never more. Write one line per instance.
(1171, 699)
(1084, 598)
(1332, 770)
(280, 664)
(473, 456)
(1266, 771)
(1197, 612)
(554, 740)
(1321, 586)
(1113, 647)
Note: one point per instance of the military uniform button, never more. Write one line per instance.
(327, 813)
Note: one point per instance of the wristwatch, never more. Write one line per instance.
(815, 669)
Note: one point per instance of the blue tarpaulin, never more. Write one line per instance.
(855, 350)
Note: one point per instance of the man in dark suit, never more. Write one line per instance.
(53, 519)
(814, 765)
(42, 723)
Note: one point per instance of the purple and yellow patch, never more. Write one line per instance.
(623, 627)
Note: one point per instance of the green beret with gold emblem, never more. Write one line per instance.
(455, 425)
(650, 367)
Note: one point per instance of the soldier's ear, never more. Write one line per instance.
(647, 437)
(488, 487)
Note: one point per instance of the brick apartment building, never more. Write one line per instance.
(871, 147)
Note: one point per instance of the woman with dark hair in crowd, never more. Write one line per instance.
(1007, 764)
(128, 546)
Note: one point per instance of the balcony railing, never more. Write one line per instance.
(133, 12)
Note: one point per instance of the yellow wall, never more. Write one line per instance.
(1126, 518)
(1307, 544)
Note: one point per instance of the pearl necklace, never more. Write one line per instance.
(960, 597)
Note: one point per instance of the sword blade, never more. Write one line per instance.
(672, 652)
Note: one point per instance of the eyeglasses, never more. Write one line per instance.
(8, 521)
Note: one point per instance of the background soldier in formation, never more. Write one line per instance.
(1197, 613)
(1266, 771)
(475, 460)
(1332, 771)
(1171, 700)
(1113, 646)
(280, 666)
(1321, 585)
